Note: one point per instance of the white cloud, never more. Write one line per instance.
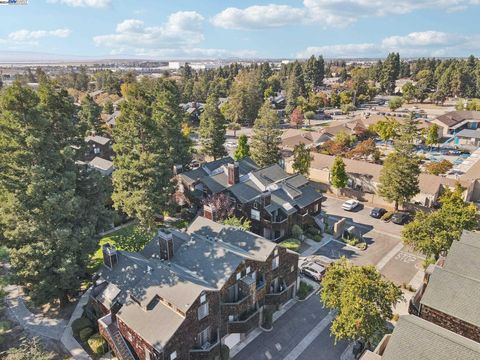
(338, 13)
(83, 3)
(27, 36)
(178, 37)
(426, 43)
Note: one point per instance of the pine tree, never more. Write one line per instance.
(212, 129)
(295, 87)
(49, 218)
(265, 145)
(89, 115)
(148, 142)
(339, 177)
(301, 159)
(314, 72)
(243, 149)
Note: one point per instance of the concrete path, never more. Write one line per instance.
(35, 323)
(315, 246)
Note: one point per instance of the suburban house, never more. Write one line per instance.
(455, 121)
(415, 338)
(272, 199)
(98, 146)
(364, 178)
(450, 294)
(105, 167)
(445, 322)
(187, 294)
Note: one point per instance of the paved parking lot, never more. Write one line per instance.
(303, 332)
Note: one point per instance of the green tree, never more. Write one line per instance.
(390, 72)
(339, 177)
(395, 103)
(245, 98)
(314, 70)
(108, 107)
(386, 129)
(431, 136)
(29, 350)
(234, 127)
(212, 129)
(432, 233)
(295, 87)
(408, 91)
(363, 299)
(241, 223)
(50, 216)
(265, 144)
(89, 115)
(243, 149)
(301, 159)
(148, 142)
(399, 177)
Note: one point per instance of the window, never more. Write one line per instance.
(248, 269)
(203, 298)
(292, 268)
(203, 311)
(275, 262)
(203, 337)
(255, 214)
(239, 275)
(96, 150)
(275, 252)
(173, 355)
(255, 205)
(316, 207)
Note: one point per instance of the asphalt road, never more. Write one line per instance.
(299, 333)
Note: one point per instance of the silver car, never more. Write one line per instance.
(313, 270)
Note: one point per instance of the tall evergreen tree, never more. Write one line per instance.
(265, 145)
(89, 115)
(339, 177)
(243, 149)
(49, 218)
(301, 159)
(212, 129)
(145, 152)
(314, 72)
(295, 87)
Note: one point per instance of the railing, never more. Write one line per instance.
(260, 284)
(278, 297)
(209, 345)
(234, 302)
(247, 321)
(109, 330)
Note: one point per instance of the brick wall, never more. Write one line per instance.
(451, 323)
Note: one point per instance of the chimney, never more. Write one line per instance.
(165, 241)
(110, 257)
(209, 212)
(267, 198)
(233, 172)
(177, 169)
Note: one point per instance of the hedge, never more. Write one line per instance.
(85, 333)
(98, 344)
(80, 324)
(291, 244)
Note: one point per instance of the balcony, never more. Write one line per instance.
(279, 295)
(246, 322)
(208, 349)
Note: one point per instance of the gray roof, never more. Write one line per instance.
(161, 292)
(245, 191)
(192, 176)
(213, 165)
(102, 140)
(101, 164)
(455, 288)
(415, 338)
(270, 174)
(309, 196)
(216, 183)
(469, 133)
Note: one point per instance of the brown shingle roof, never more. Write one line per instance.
(455, 117)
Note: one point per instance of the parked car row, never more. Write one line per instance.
(399, 218)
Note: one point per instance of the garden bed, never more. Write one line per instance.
(304, 290)
(291, 244)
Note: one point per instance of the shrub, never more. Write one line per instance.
(267, 319)
(395, 317)
(98, 344)
(85, 333)
(362, 245)
(297, 232)
(225, 352)
(291, 244)
(80, 324)
(304, 290)
(312, 231)
(317, 238)
(387, 216)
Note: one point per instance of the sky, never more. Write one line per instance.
(212, 29)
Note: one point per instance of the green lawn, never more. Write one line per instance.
(291, 244)
(131, 238)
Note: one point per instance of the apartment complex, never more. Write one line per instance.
(185, 293)
(445, 319)
(273, 200)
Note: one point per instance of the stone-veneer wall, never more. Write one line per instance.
(451, 323)
(186, 336)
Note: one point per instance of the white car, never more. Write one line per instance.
(349, 205)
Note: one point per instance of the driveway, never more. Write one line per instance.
(303, 332)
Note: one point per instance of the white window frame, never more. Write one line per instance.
(248, 270)
(202, 311)
(203, 298)
(173, 355)
(275, 262)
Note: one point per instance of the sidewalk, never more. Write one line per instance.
(315, 246)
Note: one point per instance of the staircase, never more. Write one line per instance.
(121, 348)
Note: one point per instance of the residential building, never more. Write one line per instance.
(468, 137)
(272, 199)
(187, 293)
(450, 294)
(415, 338)
(98, 146)
(105, 167)
(364, 178)
(453, 122)
(445, 322)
